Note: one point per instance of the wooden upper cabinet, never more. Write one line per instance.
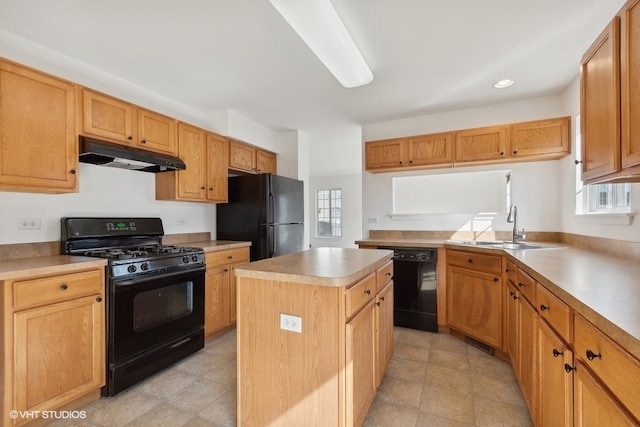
(540, 138)
(430, 149)
(630, 85)
(265, 162)
(480, 144)
(38, 145)
(108, 117)
(385, 154)
(217, 168)
(118, 121)
(600, 105)
(157, 132)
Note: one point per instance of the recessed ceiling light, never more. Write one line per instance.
(501, 84)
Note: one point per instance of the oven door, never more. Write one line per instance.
(149, 310)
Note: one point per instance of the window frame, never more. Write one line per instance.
(334, 215)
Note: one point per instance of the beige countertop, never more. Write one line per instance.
(39, 266)
(319, 266)
(605, 289)
(217, 245)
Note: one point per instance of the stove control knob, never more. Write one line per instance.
(194, 258)
(185, 259)
(145, 266)
(132, 268)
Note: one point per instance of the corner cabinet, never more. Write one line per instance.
(52, 324)
(247, 158)
(610, 105)
(38, 144)
(205, 178)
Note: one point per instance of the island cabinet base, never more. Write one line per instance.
(311, 350)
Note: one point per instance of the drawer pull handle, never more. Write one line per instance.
(381, 298)
(508, 270)
(591, 355)
(388, 274)
(544, 307)
(64, 287)
(568, 368)
(495, 279)
(521, 284)
(557, 353)
(367, 291)
(99, 299)
(469, 260)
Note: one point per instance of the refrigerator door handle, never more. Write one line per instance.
(271, 239)
(272, 205)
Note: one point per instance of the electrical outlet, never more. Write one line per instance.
(289, 322)
(181, 222)
(29, 224)
(372, 220)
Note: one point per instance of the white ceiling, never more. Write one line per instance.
(426, 55)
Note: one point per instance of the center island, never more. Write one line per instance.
(315, 336)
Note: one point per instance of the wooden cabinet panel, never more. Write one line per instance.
(480, 144)
(384, 275)
(109, 117)
(384, 330)
(474, 304)
(52, 289)
(490, 263)
(192, 150)
(554, 383)
(526, 352)
(359, 294)
(540, 138)
(593, 405)
(242, 157)
(217, 168)
(157, 132)
(360, 368)
(38, 145)
(513, 326)
(216, 310)
(630, 84)
(527, 286)
(556, 313)
(265, 162)
(388, 153)
(430, 149)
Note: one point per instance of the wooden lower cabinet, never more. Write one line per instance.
(54, 351)
(384, 330)
(526, 351)
(220, 288)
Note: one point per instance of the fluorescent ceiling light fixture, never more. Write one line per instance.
(503, 83)
(319, 26)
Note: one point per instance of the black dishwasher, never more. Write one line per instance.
(414, 288)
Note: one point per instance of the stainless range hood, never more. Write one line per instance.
(119, 156)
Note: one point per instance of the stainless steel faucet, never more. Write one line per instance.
(513, 217)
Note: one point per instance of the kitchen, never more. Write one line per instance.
(549, 186)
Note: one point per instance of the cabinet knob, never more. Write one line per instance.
(367, 291)
(569, 368)
(515, 151)
(410, 161)
(520, 284)
(64, 287)
(225, 270)
(508, 270)
(470, 260)
(502, 153)
(577, 162)
(381, 298)
(130, 138)
(388, 274)
(99, 299)
(210, 188)
(400, 162)
(556, 353)
(144, 141)
(230, 257)
(378, 303)
(591, 355)
(203, 187)
(495, 279)
(544, 307)
(72, 171)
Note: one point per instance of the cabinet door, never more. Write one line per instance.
(388, 153)
(360, 369)
(474, 304)
(384, 330)
(216, 310)
(431, 149)
(265, 162)
(242, 157)
(630, 84)
(108, 117)
(157, 132)
(192, 150)
(548, 138)
(555, 384)
(217, 168)
(526, 352)
(66, 339)
(481, 144)
(600, 105)
(593, 405)
(38, 146)
(513, 326)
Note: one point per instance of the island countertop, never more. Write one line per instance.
(318, 266)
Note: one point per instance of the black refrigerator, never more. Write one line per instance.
(267, 210)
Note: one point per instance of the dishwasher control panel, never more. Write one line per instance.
(413, 254)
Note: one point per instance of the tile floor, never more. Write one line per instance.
(433, 380)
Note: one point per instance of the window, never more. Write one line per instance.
(329, 213)
(599, 198)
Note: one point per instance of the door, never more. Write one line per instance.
(282, 239)
(285, 200)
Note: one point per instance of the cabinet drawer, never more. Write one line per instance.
(227, 257)
(527, 286)
(511, 271)
(618, 370)
(359, 294)
(491, 263)
(48, 290)
(384, 275)
(555, 312)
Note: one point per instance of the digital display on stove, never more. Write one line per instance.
(121, 226)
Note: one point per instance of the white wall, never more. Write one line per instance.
(535, 188)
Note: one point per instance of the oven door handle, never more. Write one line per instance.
(138, 279)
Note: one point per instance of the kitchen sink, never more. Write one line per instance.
(501, 245)
(522, 245)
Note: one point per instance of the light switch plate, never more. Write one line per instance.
(289, 322)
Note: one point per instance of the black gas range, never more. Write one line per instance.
(155, 294)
